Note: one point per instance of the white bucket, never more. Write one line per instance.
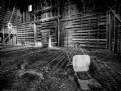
(81, 63)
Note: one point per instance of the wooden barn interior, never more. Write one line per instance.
(40, 38)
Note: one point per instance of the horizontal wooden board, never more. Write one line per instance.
(91, 39)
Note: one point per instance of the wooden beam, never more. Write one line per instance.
(120, 38)
(3, 34)
(110, 30)
(35, 33)
(23, 17)
(107, 30)
(58, 11)
(34, 17)
(115, 35)
(90, 39)
(29, 14)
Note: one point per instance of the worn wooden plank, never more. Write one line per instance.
(92, 39)
(107, 30)
(115, 35)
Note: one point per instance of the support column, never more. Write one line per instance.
(120, 37)
(35, 33)
(23, 17)
(115, 35)
(34, 17)
(116, 29)
(3, 34)
(67, 37)
(9, 35)
(58, 4)
(110, 30)
(107, 30)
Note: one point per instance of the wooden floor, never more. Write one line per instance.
(105, 66)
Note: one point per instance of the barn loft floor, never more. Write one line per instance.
(46, 69)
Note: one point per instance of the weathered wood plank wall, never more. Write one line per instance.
(77, 28)
(113, 33)
(42, 29)
(86, 30)
(25, 32)
(45, 30)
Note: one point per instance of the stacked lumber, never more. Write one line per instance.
(25, 33)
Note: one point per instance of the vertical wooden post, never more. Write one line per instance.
(110, 30)
(98, 32)
(120, 38)
(35, 33)
(58, 11)
(107, 30)
(16, 39)
(34, 17)
(9, 38)
(15, 36)
(26, 17)
(67, 37)
(50, 43)
(3, 34)
(115, 35)
(29, 17)
(23, 17)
